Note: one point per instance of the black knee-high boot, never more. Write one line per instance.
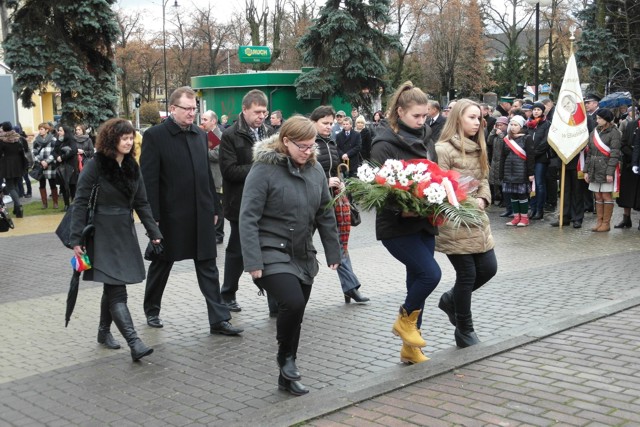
(104, 328)
(293, 386)
(446, 304)
(122, 319)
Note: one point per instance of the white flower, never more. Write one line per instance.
(366, 173)
(435, 193)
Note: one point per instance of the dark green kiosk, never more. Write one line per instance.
(223, 93)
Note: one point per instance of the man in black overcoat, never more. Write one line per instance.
(349, 145)
(181, 192)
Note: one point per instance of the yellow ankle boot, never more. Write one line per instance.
(406, 328)
(412, 355)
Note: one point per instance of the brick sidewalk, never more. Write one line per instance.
(52, 375)
(585, 376)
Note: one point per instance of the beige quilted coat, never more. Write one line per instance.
(464, 240)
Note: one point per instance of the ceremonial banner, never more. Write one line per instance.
(568, 133)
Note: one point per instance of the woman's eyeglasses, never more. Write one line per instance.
(304, 148)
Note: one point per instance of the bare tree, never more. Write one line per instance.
(213, 35)
(129, 24)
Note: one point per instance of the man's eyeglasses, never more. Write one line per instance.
(304, 148)
(187, 109)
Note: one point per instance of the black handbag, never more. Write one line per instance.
(355, 216)
(64, 228)
(36, 171)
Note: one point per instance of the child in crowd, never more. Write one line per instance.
(516, 169)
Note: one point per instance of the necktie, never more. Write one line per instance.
(431, 122)
(347, 133)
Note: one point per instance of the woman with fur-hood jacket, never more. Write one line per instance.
(284, 201)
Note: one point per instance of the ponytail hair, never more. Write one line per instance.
(406, 96)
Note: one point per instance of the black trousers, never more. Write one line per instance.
(574, 191)
(472, 271)
(292, 297)
(114, 294)
(220, 223)
(233, 264)
(207, 273)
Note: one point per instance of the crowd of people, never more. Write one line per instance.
(272, 179)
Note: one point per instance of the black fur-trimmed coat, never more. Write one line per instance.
(114, 250)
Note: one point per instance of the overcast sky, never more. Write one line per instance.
(151, 10)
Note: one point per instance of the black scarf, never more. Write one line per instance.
(123, 177)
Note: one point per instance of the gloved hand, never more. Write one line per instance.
(636, 170)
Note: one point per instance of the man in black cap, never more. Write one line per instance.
(591, 104)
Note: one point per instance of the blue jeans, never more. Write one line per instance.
(415, 251)
(540, 175)
(348, 279)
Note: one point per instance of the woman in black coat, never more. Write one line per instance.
(113, 250)
(66, 154)
(12, 164)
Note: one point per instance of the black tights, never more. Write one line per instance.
(472, 271)
(292, 297)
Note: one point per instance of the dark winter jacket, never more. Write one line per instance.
(114, 250)
(407, 144)
(597, 165)
(366, 137)
(513, 169)
(282, 206)
(236, 157)
(84, 143)
(67, 150)
(180, 188)
(328, 156)
(539, 134)
(12, 160)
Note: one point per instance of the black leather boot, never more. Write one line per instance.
(465, 335)
(356, 295)
(625, 223)
(446, 305)
(18, 211)
(294, 387)
(288, 368)
(104, 328)
(122, 319)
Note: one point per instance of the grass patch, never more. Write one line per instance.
(35, 208)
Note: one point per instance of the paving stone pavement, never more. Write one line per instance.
(548, 280)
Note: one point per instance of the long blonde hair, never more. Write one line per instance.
(453, 128)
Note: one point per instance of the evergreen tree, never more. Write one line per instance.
(609, 46)
(68, 43)
(345, 46)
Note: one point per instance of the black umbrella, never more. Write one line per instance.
(72, 296)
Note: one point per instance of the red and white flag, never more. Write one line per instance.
(568, 133)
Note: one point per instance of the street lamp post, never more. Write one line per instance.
(164, 54)
(536, 72)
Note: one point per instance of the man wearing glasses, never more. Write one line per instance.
(180, 189)
(236, 158)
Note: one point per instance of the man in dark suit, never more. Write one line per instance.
(436, 120)
(349, 145)
(236, 158)
(182, 196)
